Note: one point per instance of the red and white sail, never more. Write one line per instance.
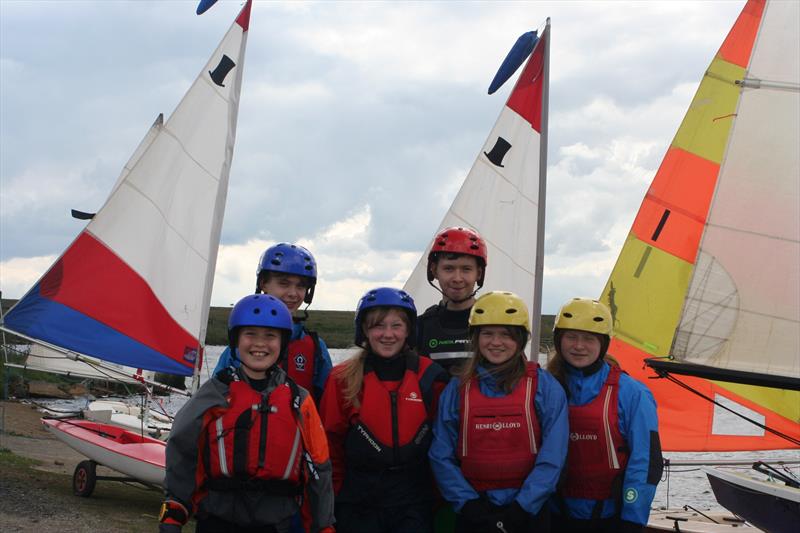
(502, 197)
(134, 287)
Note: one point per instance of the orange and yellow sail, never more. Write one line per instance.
(710, 268)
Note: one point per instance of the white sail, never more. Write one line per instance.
(134, 287)
(742, 310)
(44, 359)
(502, 196)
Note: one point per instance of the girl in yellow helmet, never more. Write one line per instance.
(614, 461)
(501, 435)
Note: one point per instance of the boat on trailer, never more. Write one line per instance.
(139, 457)
(134, 287)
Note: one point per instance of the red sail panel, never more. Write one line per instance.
(91, 279)
(526, 98)
(738, 45)
(675, 207)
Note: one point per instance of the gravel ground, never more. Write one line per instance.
(36, 485)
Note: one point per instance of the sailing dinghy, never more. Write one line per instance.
(707, 285)
(502, 197)
(134, 287)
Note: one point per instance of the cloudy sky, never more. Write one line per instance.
(358, 122)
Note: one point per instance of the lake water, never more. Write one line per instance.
(680, 485)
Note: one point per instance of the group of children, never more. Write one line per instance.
(435, 414)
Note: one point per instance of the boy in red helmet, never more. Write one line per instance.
(457, 261)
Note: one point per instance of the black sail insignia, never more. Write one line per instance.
(218, 74)
(496, 155)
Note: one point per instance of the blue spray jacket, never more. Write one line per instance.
(551, 409)
(322, 364)
(638, 425)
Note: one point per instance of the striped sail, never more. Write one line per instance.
(709, 272)
(502, 197)
(134, 287)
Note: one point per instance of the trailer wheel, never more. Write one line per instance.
(84, 479)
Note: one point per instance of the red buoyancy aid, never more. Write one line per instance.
(597, 450)
(300, 358)
(377, 442)
(255, 440)
(500, 437)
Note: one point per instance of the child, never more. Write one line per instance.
(377, 411)
(289, 272)
(614, 461)
(457, 261)
(499, 442)
(247, 444)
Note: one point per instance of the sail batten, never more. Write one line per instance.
(135, 286)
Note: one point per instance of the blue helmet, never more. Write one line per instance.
(259, 310)
(386, 297)
(289, 258)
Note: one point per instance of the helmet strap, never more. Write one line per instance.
(445, 299)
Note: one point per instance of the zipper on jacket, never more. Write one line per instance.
(395, 428)
(264, 410)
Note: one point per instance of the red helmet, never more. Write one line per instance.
(457, 240)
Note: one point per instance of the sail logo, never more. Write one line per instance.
(497, 426)
(574, 437)
(300, 362)
(190, 354)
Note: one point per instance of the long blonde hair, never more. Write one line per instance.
(352, 375)
(507, 374)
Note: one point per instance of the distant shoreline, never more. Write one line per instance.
(335, 327)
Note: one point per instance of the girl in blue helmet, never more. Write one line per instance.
(223, 466)
(378, 411)
(289, 273)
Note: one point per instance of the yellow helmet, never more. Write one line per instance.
(500, 308)
(585, 314)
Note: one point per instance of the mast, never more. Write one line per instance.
(536, 309)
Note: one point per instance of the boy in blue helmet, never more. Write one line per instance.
(223, 466)
(289, 273)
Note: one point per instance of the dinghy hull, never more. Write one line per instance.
(770, 506)
(141, 458)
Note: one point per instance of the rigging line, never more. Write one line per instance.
(665, 374)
